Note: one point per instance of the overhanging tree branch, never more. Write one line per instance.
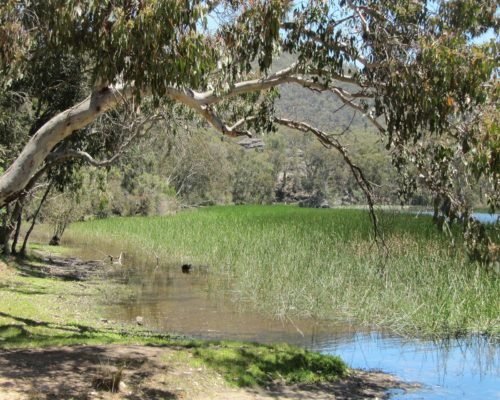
(136, 127)
(64, 124)
(331, 142)
(53, 132)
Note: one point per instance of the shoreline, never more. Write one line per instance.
(62, 357)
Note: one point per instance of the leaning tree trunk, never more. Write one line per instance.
(18, 229)
(31, 159)
(10, 225)
(33, 222)
(5, 236)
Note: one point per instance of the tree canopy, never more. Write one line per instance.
(413, 69)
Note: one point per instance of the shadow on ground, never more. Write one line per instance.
(70, 372)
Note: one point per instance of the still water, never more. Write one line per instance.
(484, 218)
(453, 369)
(189, 304)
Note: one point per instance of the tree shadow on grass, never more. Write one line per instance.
(57, 267)
(68, 370)
(19, 288)
(65, 272)
(24, 332)
(255, 364)
(34, 323)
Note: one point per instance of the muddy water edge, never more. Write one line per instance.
(200, 305)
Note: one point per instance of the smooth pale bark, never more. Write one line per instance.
(17, 176)
(13, 182)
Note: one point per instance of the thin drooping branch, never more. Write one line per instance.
(355, 106)
(220, 125)
(290, 25)
(36, 151)
(69, 154)
(362, 18)
(319, 87)
(341, 47)
(331, 142)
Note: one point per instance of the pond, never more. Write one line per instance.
(188, 304)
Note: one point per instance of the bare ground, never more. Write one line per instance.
(147, 372)
(152, 373)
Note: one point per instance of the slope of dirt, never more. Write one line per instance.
(152, 373)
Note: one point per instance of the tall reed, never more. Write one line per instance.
(289, 261)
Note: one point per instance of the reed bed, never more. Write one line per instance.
(323, 263)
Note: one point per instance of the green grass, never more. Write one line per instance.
(251, 364)
(41, 312)
(289, 261)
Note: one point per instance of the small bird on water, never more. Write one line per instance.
(118, 261)
(186, 268)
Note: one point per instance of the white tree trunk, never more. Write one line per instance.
(15, 179)
(32, 158)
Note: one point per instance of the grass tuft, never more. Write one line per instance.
(245, 364)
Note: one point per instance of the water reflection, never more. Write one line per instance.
(191, 304)
(449, 369)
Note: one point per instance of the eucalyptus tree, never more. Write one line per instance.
(408, 67)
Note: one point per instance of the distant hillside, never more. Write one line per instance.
(324, 110)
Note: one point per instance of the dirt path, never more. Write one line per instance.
(151, 373)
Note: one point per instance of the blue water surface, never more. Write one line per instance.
(485, 218)
(451, 369)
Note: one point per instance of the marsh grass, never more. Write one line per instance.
(289, 261)
(43, 312)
